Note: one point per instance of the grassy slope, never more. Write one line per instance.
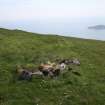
(19, 47)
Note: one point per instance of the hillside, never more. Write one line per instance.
(19, 47)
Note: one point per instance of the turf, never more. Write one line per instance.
(24, 48)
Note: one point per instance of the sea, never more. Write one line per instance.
(64, 27)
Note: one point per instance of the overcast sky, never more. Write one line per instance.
(15, 10)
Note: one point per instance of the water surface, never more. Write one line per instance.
(65, 27)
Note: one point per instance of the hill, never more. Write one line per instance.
(97, 27)
(19, 47)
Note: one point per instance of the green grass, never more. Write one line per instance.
(22, 48)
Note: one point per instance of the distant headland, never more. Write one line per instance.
(97, 27)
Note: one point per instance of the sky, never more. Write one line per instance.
(19, 10)
(62, 17)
